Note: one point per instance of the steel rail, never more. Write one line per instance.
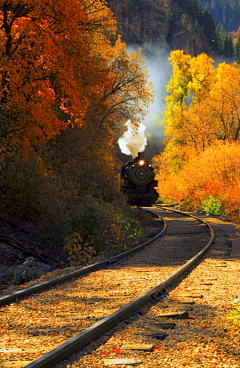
(19, 295)
(211, 232)
(78, 342)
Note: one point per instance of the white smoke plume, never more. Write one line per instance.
(133, 140)
(159, 68)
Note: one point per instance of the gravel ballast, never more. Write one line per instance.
(204, 339)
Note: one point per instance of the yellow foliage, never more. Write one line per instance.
(202, 106)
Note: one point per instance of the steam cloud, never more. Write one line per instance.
(158, 66)
(133, 140)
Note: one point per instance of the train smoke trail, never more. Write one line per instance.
(133, 140)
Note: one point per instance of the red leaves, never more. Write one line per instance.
(156, 347)
(205, 326)
(117, 351)
(36, 306)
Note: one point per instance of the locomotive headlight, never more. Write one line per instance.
(141, 162)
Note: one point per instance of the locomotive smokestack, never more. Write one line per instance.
(133, 140)
(140, 156)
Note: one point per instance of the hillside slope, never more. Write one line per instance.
(164, 21)
(226, 12)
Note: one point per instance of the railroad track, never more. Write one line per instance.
(39, 287)
(73, 314)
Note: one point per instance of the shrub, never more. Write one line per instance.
(78, 252)
(133, 227)
(209, 180)
(212, 205)
(234, 316)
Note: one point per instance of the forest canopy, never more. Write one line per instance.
(200, 163)
(226, 12)
(68, 86)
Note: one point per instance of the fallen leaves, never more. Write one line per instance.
(117, 351)
(156, 347)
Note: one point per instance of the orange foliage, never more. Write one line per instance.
(216, 172)
(235, 35)
(213, 186)
(47, 66)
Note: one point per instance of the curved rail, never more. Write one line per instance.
(81, 340)
(61, 279)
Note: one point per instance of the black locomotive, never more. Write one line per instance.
(138, 182)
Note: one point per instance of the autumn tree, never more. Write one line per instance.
(203, 126)
(116, 86)
(236, 53)
(45, 53)
(208, 181)
(125, 95)
(191, 81)
(68, 87)
(68, 71)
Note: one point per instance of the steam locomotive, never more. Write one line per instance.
(138, 182)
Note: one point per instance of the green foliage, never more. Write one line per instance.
(95, 221)
(186, 205)
(237, 50)
(165, 199)
(212, 205)
(14, 280)
(208, 14)
(133, 227)
(224, 42)
(234, 315)
(226, 12)
(93, 225)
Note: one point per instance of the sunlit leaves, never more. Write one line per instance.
(202, 106)
(39, 48)
(210, 179)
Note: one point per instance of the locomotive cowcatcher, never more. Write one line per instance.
(138, 182)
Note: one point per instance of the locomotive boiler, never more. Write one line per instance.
(138, 182)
